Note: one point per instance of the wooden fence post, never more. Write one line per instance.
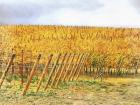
(7, 69)
(52, 71)
(67, 69)
(44, 72)
(72, 67)
(31, 75)
(62, 71)
(76, 67)
(81, 67)
(59, 69)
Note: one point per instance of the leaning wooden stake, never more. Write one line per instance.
(81, 67)
(68, 68)
(58, 70)
(31, 75)
(44, 72)
(52, 71)
(76, 68)
(7, 68)
(62, 71)
(72, 66)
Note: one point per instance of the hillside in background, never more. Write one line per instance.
(54, 39)
(98, 41)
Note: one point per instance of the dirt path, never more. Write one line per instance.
(125, 91)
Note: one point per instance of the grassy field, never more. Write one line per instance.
(112, 91)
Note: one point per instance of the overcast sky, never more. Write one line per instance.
(71, 12)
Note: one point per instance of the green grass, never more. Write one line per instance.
(69, 92)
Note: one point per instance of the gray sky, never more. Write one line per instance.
(124, 13)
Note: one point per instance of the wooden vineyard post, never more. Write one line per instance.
(31, 75)
(44, 72)
(74, 66)
(78, 72)
(71, 68)
(7, 68)
(75, 69)
(52, 71)
(58, 70)
(81, 67)
(62, 71)
(68, 68)
(81, 64)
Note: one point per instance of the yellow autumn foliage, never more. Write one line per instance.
(54, 39)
